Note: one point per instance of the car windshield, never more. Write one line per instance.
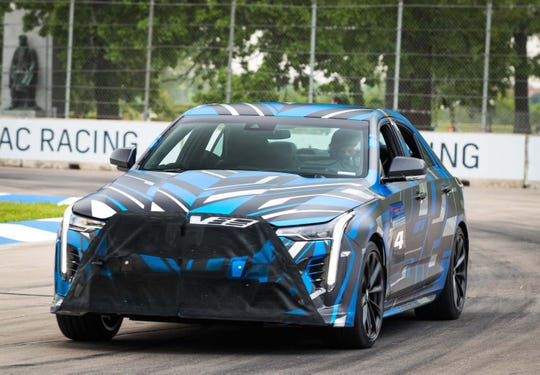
(307, 147)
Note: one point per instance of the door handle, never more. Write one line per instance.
(420, 196)
(446, 189)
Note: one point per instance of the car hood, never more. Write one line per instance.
(281, 199)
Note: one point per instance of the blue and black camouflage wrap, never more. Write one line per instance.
(216, 244)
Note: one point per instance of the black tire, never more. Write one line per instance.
(89, 327)
(449, 304)
(370, 305)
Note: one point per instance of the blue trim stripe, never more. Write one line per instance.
(155, 263)
(273, 107)
(363, 116)
(114, 201)
(225, 207)
(215, 264)
(202, 110)
(296, 312)
(197, 179)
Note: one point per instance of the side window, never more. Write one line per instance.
(388, 146)
(415, 148)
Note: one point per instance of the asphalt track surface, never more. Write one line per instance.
(498, 333)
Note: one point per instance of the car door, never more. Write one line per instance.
(437, 222)
(407, 210)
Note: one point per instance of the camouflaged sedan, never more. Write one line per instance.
(296, 214)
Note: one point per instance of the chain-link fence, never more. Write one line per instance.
(470, 66)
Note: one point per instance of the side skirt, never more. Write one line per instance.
(394, 310)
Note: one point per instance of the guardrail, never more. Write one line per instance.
(466, 155)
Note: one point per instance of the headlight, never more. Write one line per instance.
(332, 230)
(85, 226)
(308, 233)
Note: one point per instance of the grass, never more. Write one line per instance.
(11, 211)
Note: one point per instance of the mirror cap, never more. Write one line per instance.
(406, 168)
(124, 158)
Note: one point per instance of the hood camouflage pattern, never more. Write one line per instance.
(279, 198)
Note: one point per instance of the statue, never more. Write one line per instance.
(23, 76)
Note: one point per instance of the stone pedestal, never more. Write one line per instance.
(13, 27)
(23, 113)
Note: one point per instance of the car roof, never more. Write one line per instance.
(296, 110)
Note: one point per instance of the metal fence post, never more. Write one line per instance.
(69, 58)
(398, 56)
(312, 49)
(231, 46)
(146, 113)
(486, 65)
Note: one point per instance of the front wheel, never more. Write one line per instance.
(449, 304)
(369, 309)
(89, 327)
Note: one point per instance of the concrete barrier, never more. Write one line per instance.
(503, 158)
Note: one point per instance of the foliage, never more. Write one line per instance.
(109, 52)
(441, 63)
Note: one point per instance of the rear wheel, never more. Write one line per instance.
(89, 327)
(449, 304)
(369, 309)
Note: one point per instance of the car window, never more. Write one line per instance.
(172, 155)
(389, 146)
(415, 148)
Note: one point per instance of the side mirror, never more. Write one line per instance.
(405, 168)
(124, 158)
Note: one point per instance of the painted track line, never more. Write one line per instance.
(29, 231)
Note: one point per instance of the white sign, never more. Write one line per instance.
(73, 140)
(488, 156)
(466, 155)
(534, 159)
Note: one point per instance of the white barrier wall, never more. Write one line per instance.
(487, 156)
(85, 141)
(534, 159)
(466, 155)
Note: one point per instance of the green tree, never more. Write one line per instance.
(515, 22)
(441, 62)
(109, 48)
(442, 59)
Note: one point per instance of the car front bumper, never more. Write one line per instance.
(163, 266)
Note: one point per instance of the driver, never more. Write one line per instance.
(344, 149)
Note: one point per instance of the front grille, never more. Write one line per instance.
(316, 269)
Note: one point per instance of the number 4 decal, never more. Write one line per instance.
(399, 241)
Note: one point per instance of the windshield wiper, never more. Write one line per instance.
(175, 170)
(171, 167)
(310, 175)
